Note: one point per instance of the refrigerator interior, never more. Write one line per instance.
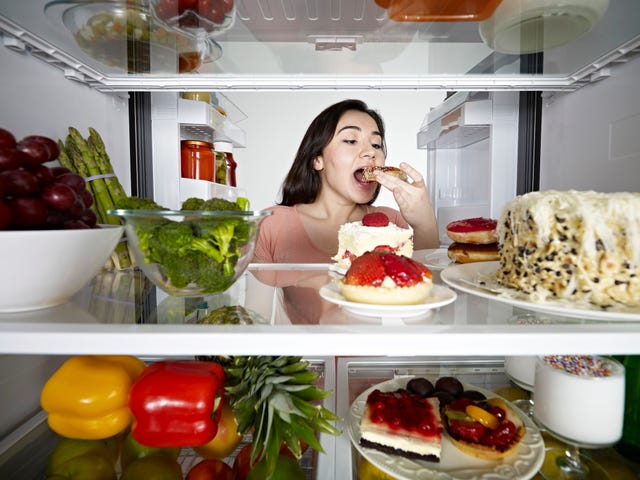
(590, 122)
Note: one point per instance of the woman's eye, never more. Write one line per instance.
(350, 142)
(377, 146)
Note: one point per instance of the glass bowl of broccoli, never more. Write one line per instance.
(201, 249)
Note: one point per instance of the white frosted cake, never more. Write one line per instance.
(572, 245)
(356, 238)
(580, 397)
(402, 423)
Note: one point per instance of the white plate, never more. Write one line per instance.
(439, 296)
(523, 463)
(476, 278)
(434, 258)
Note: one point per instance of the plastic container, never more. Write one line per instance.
(225, 164)
(197, 160)
(529, 26)
(439, 10)
(198, 96)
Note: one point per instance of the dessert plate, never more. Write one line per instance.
(523, 463)
(434, 258)
(439, 296)
(479, 279)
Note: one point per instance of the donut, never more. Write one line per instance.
(368, 173)
(473, 252)
(478, 230)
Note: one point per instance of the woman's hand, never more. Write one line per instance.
(414, 204)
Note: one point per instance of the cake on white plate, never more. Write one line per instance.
(572, 245)
(375, 229)
(402, 423)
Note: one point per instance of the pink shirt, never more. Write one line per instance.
(283, 239)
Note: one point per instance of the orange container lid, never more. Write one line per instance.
(440, 10)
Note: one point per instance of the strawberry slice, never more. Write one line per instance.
(375, 219)
(367, 269)
(470, 431)
(401, 271)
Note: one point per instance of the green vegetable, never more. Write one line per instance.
(201, 250)
(89, 158)
(136, 203)
(74, 459)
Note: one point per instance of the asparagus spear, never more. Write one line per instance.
(84, 160)
(104, 164)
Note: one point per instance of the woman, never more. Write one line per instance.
(323, 189)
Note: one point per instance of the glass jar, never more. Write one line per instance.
(225, 164)
(197, 160)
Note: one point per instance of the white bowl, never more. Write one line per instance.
(44, 268)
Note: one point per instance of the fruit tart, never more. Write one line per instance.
(487, 429)
(382, 277)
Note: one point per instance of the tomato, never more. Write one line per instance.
(187, 5)
(242, 463)
(227, 438)
(211, 10)
(227, 5)
(211, 469)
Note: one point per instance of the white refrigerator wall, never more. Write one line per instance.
(591, 137)
(277, 121)
(36, 99)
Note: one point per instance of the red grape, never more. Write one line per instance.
(76, 209)
(74, 224)
(55, 218)
(52, 147)
(37, 152)
(5, 216)
(89, 217)
(7, 140)
(42, 173)
(57, 171)
(28, 212)
(74, 180)
(11, 158)
(59, 196)
(87, 198)
(19, 183)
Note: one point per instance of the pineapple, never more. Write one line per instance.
(276, 396)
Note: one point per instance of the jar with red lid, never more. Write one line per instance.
(225, 164)
(197, 160)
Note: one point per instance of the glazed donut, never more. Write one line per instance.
(473, 252)
(473, 230)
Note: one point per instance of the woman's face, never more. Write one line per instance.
(356, 144)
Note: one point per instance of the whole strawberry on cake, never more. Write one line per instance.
(375, 230)
(383, 277)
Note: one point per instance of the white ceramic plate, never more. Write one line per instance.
(476, 278)
(434, 258)
(439, 296)
(523, 463)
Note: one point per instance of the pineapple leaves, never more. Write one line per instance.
(278, 398)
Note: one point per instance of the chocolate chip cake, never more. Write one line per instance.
(575, 245)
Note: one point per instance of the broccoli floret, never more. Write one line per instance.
(192, 203)
(220, 204)
(136, 203)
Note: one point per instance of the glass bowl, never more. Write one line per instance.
(192, 252)
(126, 36)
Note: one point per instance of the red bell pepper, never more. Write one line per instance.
(177, 403)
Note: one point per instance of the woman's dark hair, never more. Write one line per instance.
(302, 183)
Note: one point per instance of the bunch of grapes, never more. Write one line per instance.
(36, 197)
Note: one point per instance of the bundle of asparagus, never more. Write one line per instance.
(88, 158)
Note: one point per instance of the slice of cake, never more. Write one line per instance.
(572, 245)
(402, 423)
(375, 229)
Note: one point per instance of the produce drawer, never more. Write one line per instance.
(25, 451)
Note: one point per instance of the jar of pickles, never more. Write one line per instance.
(225, 164)
(197, 160)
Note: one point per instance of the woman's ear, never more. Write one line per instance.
(318, 163)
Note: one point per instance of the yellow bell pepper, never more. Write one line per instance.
(87, 397)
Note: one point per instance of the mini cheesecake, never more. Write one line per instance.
(402, 423)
